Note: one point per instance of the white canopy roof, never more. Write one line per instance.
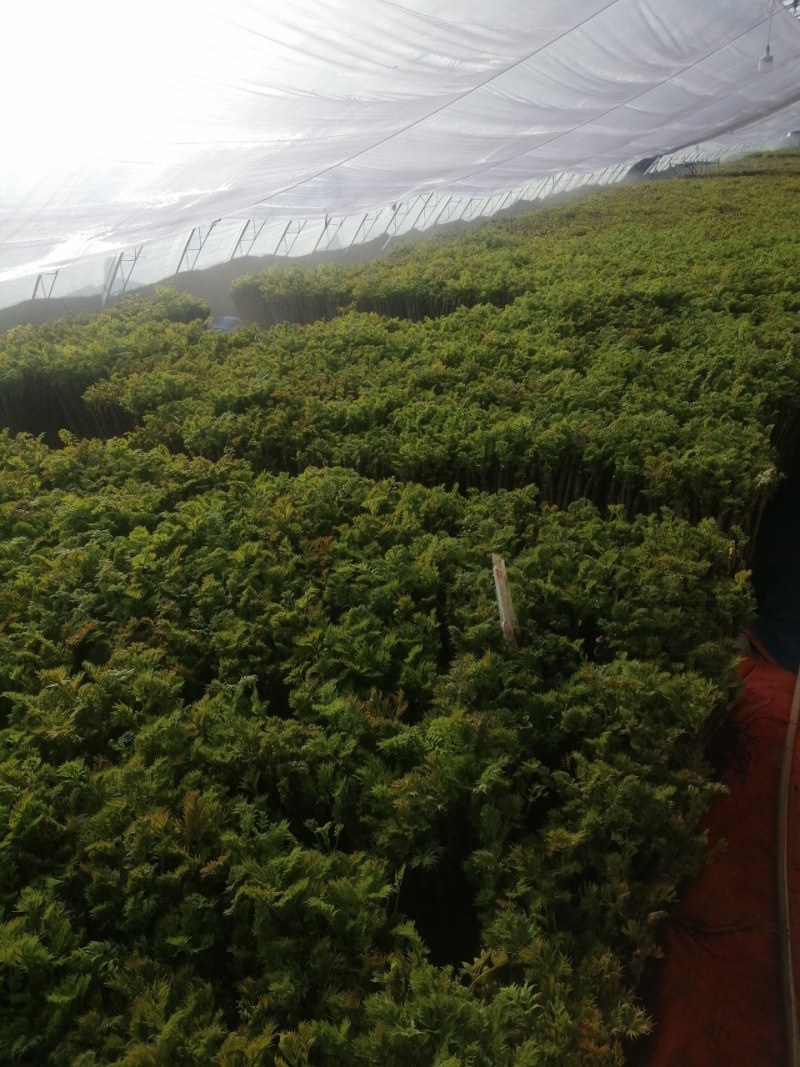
(177, 133)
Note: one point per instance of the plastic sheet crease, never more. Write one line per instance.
(325, 121)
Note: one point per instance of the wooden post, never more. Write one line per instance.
(508, 617)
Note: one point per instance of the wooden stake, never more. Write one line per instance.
(508, 617)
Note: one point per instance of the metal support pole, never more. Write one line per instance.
(127, 258)
(189, 250)
(243, 237)
(289, 237)
(47, 289)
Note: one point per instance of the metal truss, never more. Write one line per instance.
(690, 164)
(427, 216)
(294, 227)
(400, 213)
(121, 271)
(43, 286)
(526, 192)
(329, 232)
(506, 200)
(572, 182)
(452, 210)
(194, 246)
(246, 238)
(365, 227)
(472, 209)
(422, 208)
(609, 174)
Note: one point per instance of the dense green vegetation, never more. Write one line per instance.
(650, 357)
(273, 789)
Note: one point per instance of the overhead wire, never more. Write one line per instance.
(442, 107)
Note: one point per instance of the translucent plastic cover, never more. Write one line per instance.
(187, 132)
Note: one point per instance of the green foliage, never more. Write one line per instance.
(272, 788)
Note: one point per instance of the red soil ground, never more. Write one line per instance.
(717, 996)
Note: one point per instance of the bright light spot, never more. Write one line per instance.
(87, 79)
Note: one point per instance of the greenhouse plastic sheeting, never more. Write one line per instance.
(137, 128)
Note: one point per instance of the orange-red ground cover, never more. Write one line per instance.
(717, 996)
